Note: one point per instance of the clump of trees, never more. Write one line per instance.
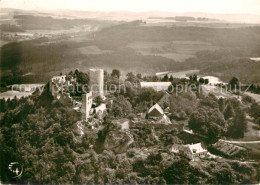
(182, 105)
(116, 73)
(218, 117)
(255, 112)
(234, 83)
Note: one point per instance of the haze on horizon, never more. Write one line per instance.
(176, 6)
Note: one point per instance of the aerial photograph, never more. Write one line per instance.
(129, 92)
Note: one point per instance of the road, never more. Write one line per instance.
(240, 142)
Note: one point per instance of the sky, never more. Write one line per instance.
(176, 6)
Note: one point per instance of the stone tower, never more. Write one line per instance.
(86, 105)
(97, 81)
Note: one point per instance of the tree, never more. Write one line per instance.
(171, 78)
(255, 110)
(121, 107)
(130, 77)
(3, 105)
(206, 81)
(240, 124)
(221, 105)
(201, 80)
(177, 173)
(195, 78)
(258, 121)
(234, 83)
(229, 112)
(165, 78)
(190, 77)
(98, 100)
(116, 73)
(71, 73)
(139, 76)
(82, 78)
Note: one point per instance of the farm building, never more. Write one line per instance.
(157, 86)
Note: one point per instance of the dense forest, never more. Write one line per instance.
(237, 37)
(42, 134)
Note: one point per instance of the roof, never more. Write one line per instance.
(176, 147)
(156, 85)
(164, 98)
(165, 119)
(195, 148)
(95, 69)
(228, 148)
(61, 76)
(101, 107)
(156, 106)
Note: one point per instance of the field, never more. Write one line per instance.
(12, 94)
(254, 96)
(218, 92)
(2, 42)
(252, 134)
(92, 50)
(178, 51)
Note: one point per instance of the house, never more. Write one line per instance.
(100, 110)
(164, 120)
(157, 86)
(123, 123)
(176, 148)
(59, 79)
(191, 151)
(156, 113)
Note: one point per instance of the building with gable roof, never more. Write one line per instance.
(157, 113)
(191, 151)
(157, 86)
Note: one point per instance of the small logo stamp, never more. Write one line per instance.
(16, 169)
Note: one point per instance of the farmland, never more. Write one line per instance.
(176, 50)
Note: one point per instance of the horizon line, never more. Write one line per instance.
(131, 11)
